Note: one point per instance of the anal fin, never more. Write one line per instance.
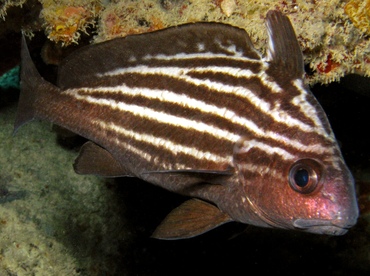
(192, 218)
(96, 160)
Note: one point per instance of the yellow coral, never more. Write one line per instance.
(67, 22)
(63, 22)
(359, 13)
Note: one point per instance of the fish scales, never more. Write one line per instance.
(171, 116)
(175, 102)
(260, 84)
(194, 108)
(197, 110)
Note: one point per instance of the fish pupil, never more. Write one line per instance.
(301, 177)
(304, 176)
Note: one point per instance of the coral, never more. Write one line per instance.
(52, 221)
(64, 20)
(226, 6)
(359, 13)
(333, 34)
(123, 18)
(6, 4)
(333, 46)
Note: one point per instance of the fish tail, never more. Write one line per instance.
(33, 88)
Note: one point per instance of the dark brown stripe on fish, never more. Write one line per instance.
(181, 156)
(230, 102)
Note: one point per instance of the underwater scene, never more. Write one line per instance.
(116, 158)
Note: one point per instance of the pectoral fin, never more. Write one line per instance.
(192, 218)
(96, 160)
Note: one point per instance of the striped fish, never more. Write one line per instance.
(197, 110)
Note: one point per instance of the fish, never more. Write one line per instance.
(197, 110)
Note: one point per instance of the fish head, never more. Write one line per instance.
(299, 191)
(325, 198)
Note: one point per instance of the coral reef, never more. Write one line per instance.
(333, 46)
(331, 33)
(359, 13)
(65, 19)
(6, 4)
(51, 218)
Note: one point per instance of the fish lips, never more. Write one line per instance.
(320, 226)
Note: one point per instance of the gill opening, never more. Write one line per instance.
(263, 215)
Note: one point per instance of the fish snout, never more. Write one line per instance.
(337, 226)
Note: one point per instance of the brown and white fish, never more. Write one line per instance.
(197, 110)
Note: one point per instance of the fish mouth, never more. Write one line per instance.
(320, 226)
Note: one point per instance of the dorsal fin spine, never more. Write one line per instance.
(284, 50)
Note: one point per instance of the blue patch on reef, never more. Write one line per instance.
(10, 79)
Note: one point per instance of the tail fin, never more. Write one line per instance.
(31, 84)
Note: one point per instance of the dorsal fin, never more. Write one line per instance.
(284, 52)
(83, 65)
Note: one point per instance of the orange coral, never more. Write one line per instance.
(117, 23)
(328, 66)
(63, 23)
(359, 13)
(67, 23)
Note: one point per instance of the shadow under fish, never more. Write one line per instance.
(195, 109)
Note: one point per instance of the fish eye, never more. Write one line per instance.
(304, 176)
